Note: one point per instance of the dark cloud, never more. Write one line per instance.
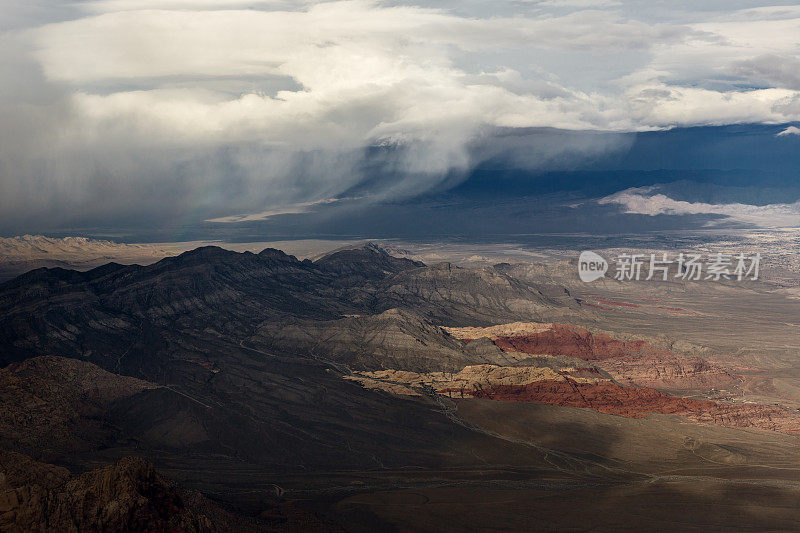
(774, 70)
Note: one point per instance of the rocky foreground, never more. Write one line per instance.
(129, 495)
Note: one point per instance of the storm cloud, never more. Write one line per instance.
(171, 111)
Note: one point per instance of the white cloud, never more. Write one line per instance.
(366, 73)
(146, 43)
(663, 105)
(643, 201)
(111, 6)
(289, 209)
(583, 4)
(791, 130)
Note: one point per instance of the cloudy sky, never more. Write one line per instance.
(128, 113)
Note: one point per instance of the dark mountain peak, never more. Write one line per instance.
(208, 252)
(367, 252)
(375, 247)
(277, 255)
(370, 261)
(47, 276)
(362, 250)
(198, 256)
(104, 270)
(215, 254)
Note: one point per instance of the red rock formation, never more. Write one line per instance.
(631, 362)
(568, 340)
(638, 402)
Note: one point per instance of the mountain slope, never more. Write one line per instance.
(454, 296)
(395, 339)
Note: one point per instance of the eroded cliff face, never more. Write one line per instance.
(631, 362)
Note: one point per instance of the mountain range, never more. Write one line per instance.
(218, 390)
